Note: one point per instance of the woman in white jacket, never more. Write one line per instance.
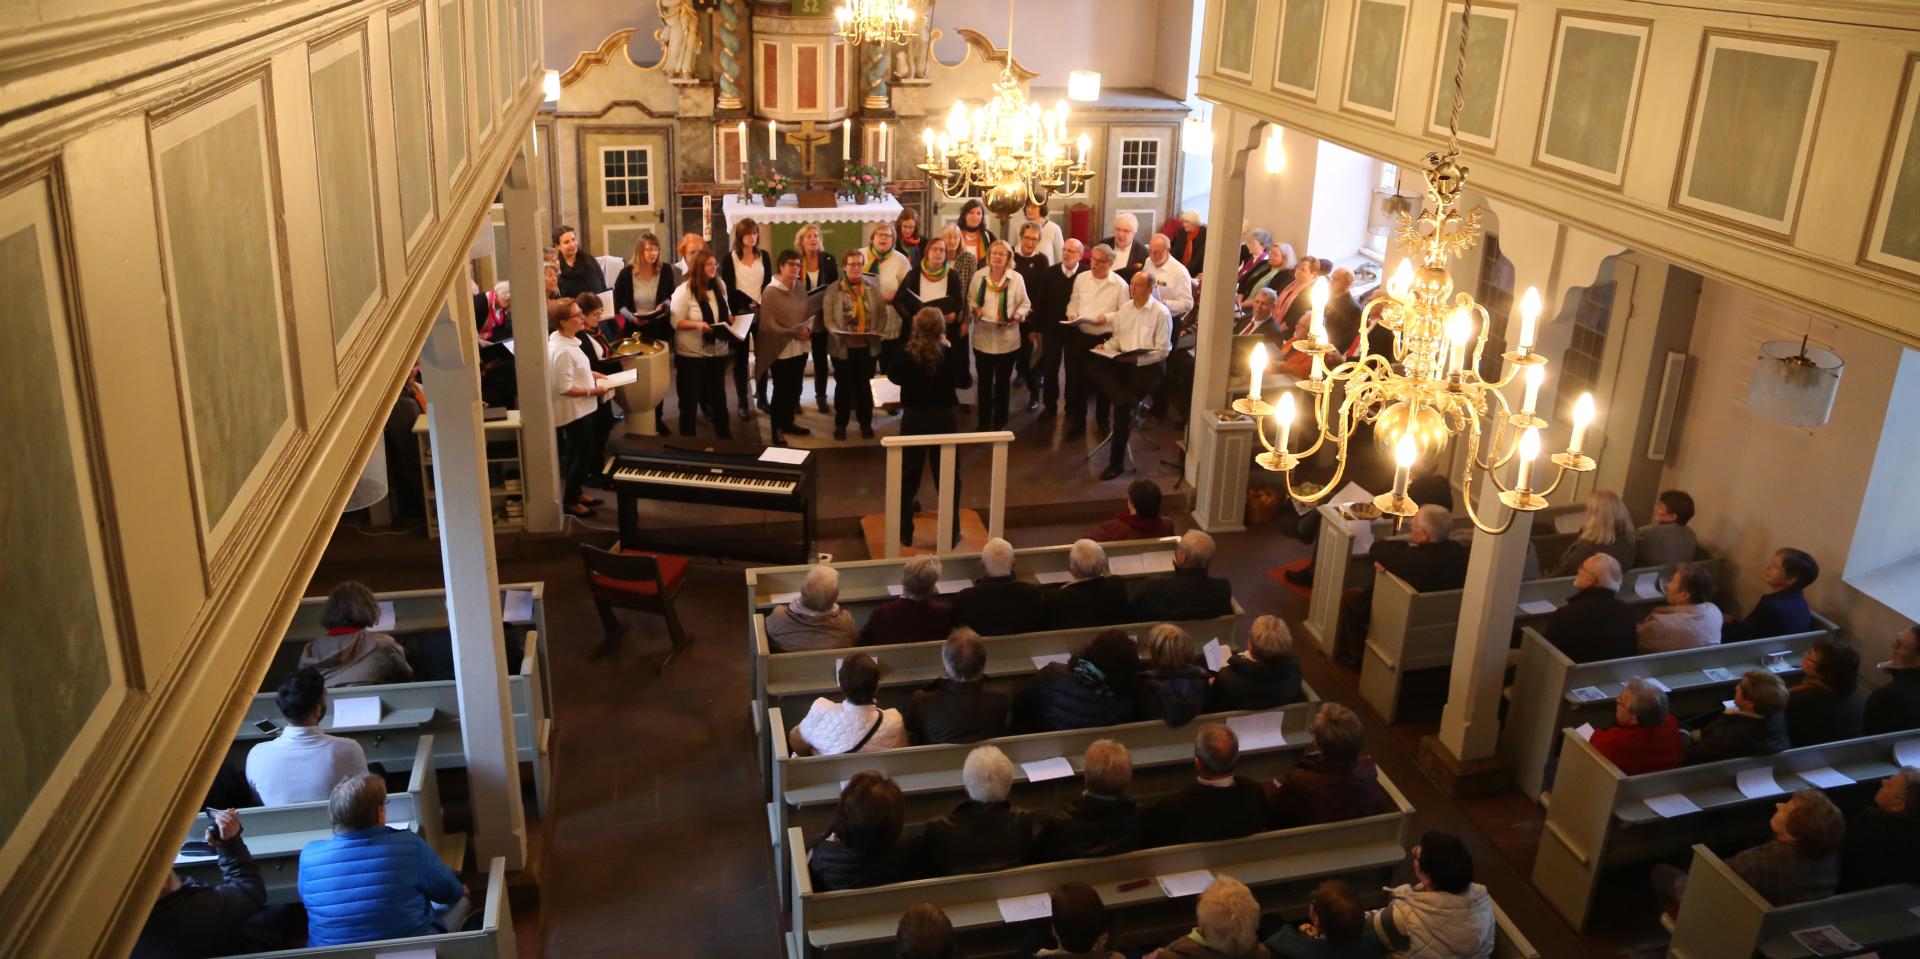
(1445, 915)
(997, 302)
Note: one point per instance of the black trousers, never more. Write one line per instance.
(1123, 384)
(913, 459)
(996, 382)
(822, 362)
(576, 457)
(1044, 378)
(853, 388)
(602, 429)
(1077, 352)
(742, 365)
(701, 384)
(788, 376)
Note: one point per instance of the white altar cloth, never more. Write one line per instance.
(883, 208)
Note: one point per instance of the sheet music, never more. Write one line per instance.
(783, 454)
(738, 326)
(1671, 805)
(623, 378)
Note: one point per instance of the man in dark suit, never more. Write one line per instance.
(1050, 290)
(1342, 316)
(999, 605)
(1187, 592)
(1427, 560)
(1594, 624)
(960, 708)
(1129, 253)
(1217, 804)
(1092, 597)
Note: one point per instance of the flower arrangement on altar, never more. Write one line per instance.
(768, 184)
(863, 183)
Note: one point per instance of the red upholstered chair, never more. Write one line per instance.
(634, 579)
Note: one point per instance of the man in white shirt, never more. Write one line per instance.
(302, 764)
(1172, 285)
(1096, 294)
(1130, 364)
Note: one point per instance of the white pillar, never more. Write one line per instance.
(1235, 135)
(1470, 726)
(450, 372)
(526, 240)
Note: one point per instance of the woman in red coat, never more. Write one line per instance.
(1643, 738)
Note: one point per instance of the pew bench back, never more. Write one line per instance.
(1722, 917)
(493, 940)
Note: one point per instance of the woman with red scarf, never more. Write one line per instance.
(1265, 265)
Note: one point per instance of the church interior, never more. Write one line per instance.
(1427, 479)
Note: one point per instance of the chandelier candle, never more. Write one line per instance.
(1582, 417)
(1283, 419)
(1535, 376)
(1257, 371)
(1529, 451)
(1529, 317)
(1404, 453)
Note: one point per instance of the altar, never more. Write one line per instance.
(842, 226)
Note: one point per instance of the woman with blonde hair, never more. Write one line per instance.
(818, 270)
(1608, 529)
(997, 303)
(1174, 687)
(927, 371)
(641, 294)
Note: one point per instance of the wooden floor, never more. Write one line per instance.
(658, 843)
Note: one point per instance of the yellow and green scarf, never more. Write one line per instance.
(986, 283)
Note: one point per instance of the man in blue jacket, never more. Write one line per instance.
(370, 881)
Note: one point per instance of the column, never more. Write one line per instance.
(526, 240)
(1470, 726)
(450, 370)
(730, 32)
(1235, 135)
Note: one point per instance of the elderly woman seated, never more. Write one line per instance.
(1094, 688)
(1102, 820)
(1333, 780)
(351, 653)
(1092, 597)
(853, 725)
(984, 833)
(1783, 610)
(862, 847)
(914, 617)
(1265, 676)
(1801, 863)
(1608, 529)
(814, 620)
(1755, 726)
(1174, 686)
(1689, 619)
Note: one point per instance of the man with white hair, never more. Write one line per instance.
(914, 616)
(984, 833)
(1187, 592)
(1092, 597)
(998, 604)
(814, 619)
(1428, 560)
(1131, 364)
(1172, 284)
(1226, 925)
(1097, 294)
(1129, 254)
(960, 707)
(1595, 624)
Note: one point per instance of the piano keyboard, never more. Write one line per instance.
(706, 478)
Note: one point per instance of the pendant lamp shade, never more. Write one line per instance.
(1795, 383)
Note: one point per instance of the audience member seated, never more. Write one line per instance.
(1102, 821)
(1079, 924)
(1882, 844)
(1217, 804)
(1336, 928)
(1226, 926)
(369, 881)
(1264, 676)
(984, 833)
(1333, 780)
(862, 846)
(1825, 706)
(1174, 686)
(1428, 560)
(998, 604)
(1755, 726)
(1443, 914)
(924, 932)
(1783, 610)
(1092, 597)
(915, 616)
(1608, 531)
(1896, 705)
(191, 920)
(1688, 620)
(1800, 863)
(302, 764)
(853, 725)
(1596, 623)
(1187, 592)
(1644, 737)
(1667, 539)
(1140, 520)
(814, 619)
(352, 654)
(959, 707)
(1094, 688)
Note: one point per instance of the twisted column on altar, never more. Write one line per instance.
(875, 62)
(730, 54)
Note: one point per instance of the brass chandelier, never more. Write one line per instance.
(1434, 395)
(880, 22)
(1009, 150)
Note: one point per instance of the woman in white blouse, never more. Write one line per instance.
(997, 301)
(576, 388)
(853, 725)
(701, 345)
(745, 273)
(817, 272)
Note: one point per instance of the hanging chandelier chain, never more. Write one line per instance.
(1459, 79)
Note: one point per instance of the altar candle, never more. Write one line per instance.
(1529, 449)
(846, 140)
(743, 144)
(1283, 419)
(1535, 375)
(1529, 316)
(773, 148)
(1404, 453)
(1256, 370)
(886, 146)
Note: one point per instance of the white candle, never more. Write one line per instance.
(1535, 376)
(1256, 370)
(773, 148)
(1582, 417)
(743, 144)
(1529, 317)
(1319, 363)
(886, 146)
(1459, 331)
(1401, 282)
(926, 137)
(1404, 453)
(1317, 328)
(1083, 144)
(1529, 450)
(846, 140)
(1283, 418)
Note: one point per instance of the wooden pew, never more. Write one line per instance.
(1543, 701)
(1412, 630)
(275, 834)
(1721, 917)
(1599, 817)
(806, 789)
(1508, 941)
(416, 611)
(1281, 866)
(493, 940)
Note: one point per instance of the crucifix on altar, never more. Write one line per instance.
(806, 139)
